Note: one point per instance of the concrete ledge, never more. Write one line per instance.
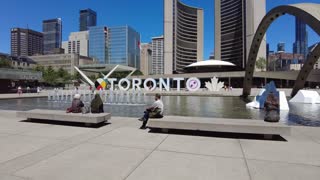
(220, 125)
(56, 115)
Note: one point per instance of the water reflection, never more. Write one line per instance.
(221, 107)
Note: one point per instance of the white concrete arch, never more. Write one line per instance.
(310, 14)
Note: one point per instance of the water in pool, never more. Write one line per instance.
(222, 107)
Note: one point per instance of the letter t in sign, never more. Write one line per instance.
(178, 82)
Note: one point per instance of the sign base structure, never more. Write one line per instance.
(258, 102)
(306, 97)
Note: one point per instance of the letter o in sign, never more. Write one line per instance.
(154, 84)
(193, 84)
(124, 88)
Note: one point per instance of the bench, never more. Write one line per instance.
(56, 115)
(246, 126)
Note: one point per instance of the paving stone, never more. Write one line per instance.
(15, 146)
(265, 170)
(87, 161)
(58, 132)
(203, 145)
(177, 166)
(130, 137)
(290, 152)
(10, 177)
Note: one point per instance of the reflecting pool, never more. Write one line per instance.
(219, 107)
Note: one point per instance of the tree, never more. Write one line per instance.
(39, 68)
(50, 76)
(93, 77)
(76, 76)
(261, 63)
(4, 63)
(137, 73)
(123, 74)
(119, 75)
(62, 73)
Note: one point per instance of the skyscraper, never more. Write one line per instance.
(115, 45)
(300, 46)
(235, 24)
(88, 18)
(146, 58)
(183, 35)
(98, 40)
(157, 55)
(124, 46)
(78, 43)
(52, 34)
(281, 47)
(26, 42)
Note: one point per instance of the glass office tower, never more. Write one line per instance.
(98, 44)
(115, 45)
(88, 18)
(52, 35)
(300, 46)
(124, 46)
(281, 47)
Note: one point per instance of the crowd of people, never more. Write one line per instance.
(28, 90)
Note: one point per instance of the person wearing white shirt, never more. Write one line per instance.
(154, 111)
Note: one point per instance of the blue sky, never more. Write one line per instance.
(146, 16)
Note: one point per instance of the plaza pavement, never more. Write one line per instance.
(121, 151)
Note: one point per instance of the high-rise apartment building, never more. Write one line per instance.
(300, 46)
(98, 41)
(183, 36)
(146, 58)
(52, 35)
(78, 43)
(236, 22)
(88, 18)
(124, 46)
(26, 42)
(157, 55)
(281, 47)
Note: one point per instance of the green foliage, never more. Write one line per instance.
(76, 76)
(50, 76)
(53, 77)
(4, 63)
(124, 74)
(62, 73)
(119, 75)
(261, 63)
(39, 68)
(93, 78)
(137, 73)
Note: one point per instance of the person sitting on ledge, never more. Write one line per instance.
(97, 104)
(154, 111)
(77, 105)
(271, 107)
